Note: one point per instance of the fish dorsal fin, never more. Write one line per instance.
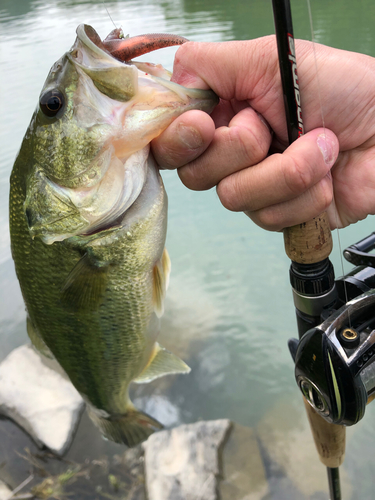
(161, 274)
(85, 286)
(162, 362)
(37, 340)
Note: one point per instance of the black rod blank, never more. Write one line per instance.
(288, 68)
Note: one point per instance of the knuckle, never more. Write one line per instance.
(170, 155)
(194, 177)
(228, 193)
(253, 147)
(298, 176)
(325, 195)
(270, 218)
(166, 159)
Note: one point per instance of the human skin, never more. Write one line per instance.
(242, 148)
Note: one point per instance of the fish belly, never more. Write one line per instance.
(103, 336)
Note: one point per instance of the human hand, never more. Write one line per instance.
(229, 149)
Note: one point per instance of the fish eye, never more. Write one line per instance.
(51, 102)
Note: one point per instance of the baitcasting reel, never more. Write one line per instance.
(335, 361)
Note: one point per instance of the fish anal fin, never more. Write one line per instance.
(161, 272)
(85, 286)
(130, 428)
(166, 261)
(37, 340)
(162, 362)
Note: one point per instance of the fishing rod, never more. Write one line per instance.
(308, 245)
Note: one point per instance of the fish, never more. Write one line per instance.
(88, 220)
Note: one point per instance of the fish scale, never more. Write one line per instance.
(128, 285)
(88, 220)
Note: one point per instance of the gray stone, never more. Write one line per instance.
(5, 492)
(39, 399)
(243, 469)
(183, 463)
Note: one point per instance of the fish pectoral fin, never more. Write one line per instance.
(85, 286)
(37, 340)
(161, 274)
(162, 362)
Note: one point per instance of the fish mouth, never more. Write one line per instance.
(124, 48)
(109, 64)
(112, 78)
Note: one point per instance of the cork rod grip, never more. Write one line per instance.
(329, 438)
(309, 242)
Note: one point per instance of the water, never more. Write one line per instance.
(229, 310)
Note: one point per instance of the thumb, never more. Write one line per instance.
(239, 69)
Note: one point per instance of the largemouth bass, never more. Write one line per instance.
(88, 217)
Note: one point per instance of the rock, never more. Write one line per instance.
(205, 461)
(183, 463)
(39, 399)
(5, 492)
(286, 438)
(243, 469)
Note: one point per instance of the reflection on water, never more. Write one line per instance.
(229, 310)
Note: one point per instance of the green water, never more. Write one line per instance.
(229, 311)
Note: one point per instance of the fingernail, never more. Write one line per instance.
(264, 121)
(190, 137)
(326, 146)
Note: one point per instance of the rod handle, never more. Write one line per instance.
(329, 438)
(309, 242)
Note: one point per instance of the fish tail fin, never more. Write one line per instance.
(130, 428)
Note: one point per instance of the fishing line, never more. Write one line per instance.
(336, 214)
(109, 15)
(316, 65)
